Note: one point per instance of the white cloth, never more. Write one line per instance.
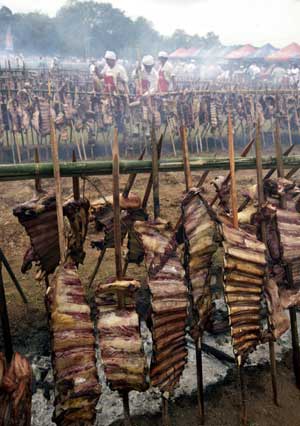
(151, 77)
(168, 71)
(117, 72)
(109, 54)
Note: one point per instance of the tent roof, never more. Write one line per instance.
(292, 51)
(263, 52)
(241, 52)
(182, 53)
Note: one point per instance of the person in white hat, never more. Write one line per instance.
(114, 75)
(166, 76)
(146, 77)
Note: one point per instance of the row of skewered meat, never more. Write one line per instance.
(25, 111)
(175, 298)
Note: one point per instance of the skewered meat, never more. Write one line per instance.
(244, 269)
(279, 321)
(77, 388)
(39, 218)
(44, 118)
(15, 391)
(169, 302)
(77, 212)
(200, 230)
(121, 344)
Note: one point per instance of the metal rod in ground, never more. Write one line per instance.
(98, 264)
(155, 173)
(200, 388)
(8, 348)
(12, 276)
(165, 411)
(261, 201)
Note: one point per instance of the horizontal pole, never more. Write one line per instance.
(14, 172)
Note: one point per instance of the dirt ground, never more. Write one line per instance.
(29, 323)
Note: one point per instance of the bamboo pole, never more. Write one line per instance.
(261, 201)
(11, 172)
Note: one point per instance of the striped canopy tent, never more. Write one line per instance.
(241, 53)
(288, 53)
(183, 53)
(263, 52)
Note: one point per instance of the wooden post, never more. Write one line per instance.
(292, 310)
(75, 180)
(58, 189)
(8, 348)
(37, 180)
(155, 174)
(235, 222)
(150, 180)
(261, 201)
(185, 152)
(118, 248)
(132, 177)
(244, 153)
(233, 190)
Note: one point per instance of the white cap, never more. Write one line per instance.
(148, 60)
(163, 54)
(110, 55)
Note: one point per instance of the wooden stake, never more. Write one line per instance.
(198, 341)
(8, 348)
(244, 153)
(200, 388)
(132, 177)
(235, 222)
(285, 154)
(150, 180)
(58, 189)
(118, 248)
(75, 180)
(292, 310)
(185, 152)
(261, 201)
(116, 207)
(165, 411)
(37, 180)
(98, 264)
(155, 173)
(233, 190)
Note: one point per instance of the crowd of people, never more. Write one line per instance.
(162, 73)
